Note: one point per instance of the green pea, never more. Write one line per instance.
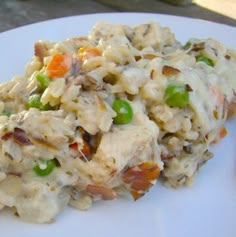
(46, 107)
(43, 80)
(6, 113)
(187, 45)
(34, 101)
(206, 60)
(176, 95)
(49, 167)
(124, 111)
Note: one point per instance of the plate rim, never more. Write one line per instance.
(52, 20)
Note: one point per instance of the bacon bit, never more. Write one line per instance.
(170, 71)
(59, 65)
(40, 50)
(104, 192)
(137, 57)
(227, 57)
(188, 88)
(85, 53)
(199, 46)
(7, 136)
(18, 136)
(140, 178)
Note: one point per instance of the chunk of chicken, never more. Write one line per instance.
(124, 146)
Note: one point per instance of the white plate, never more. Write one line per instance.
(206, 209)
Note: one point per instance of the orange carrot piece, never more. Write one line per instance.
(85, 150)
(88, 52)
(59, 65)
(223, 132)
(74, 146)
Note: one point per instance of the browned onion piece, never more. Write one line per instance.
(170, 71)
(19, 136)
(40, 50)
(104, 192)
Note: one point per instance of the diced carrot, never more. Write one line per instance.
(223, 132)
(85, 150)
(74, 146)
(88, 52)
(59, 65)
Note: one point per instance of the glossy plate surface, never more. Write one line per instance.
(206, 209)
